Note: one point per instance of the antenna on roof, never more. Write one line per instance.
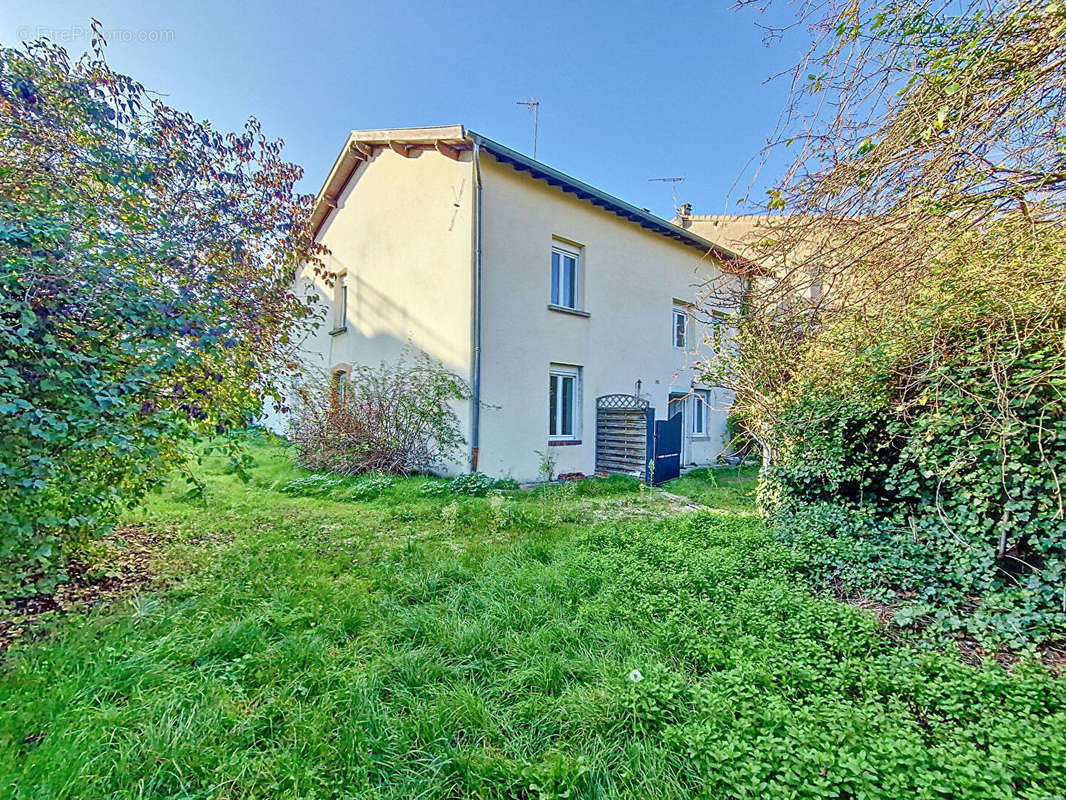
(534, 106)
(673, 186)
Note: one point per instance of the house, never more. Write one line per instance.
(568, 310)
(788, 250)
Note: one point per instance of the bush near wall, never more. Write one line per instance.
(937, 487)
(902, 357)
(395, 418)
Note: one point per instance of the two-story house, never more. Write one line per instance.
(542, 291)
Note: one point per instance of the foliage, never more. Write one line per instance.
(904, 363)
(605, 487)
(393, 418)
(472, 483)
(952, 516)
(364, 487)
(145, 266)
(315, 485)
(547, 461)
(475, 483)
(319, 649)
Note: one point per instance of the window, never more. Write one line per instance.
(340, 385)
(701, 404)
(564, 407)
(680, 330)
(565, 276)
(340, 307)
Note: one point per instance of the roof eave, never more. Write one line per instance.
(360, 147)
(451, 139)
(600, 198)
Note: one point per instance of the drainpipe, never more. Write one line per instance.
(475, 378)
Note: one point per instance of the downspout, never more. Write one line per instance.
(475, 377)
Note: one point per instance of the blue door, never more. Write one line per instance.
(667, 461)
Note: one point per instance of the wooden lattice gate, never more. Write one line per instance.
(623, 434)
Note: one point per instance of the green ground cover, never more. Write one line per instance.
(379, 639)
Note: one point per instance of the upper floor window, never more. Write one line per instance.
(340, 302)
(680, 327)
(566, 276)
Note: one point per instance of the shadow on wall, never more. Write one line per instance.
(374, 350)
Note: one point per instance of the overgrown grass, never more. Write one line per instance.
(419, 646)
(730, 489)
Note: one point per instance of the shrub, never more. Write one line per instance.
(315, 485)
(474, 483)
(903, 370)
(394, 418)
(477, 484)
(146, 264)
(916, 492)
(369, 486)
(365, 487)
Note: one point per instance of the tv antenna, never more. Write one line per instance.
(673, 186)
(534, 106)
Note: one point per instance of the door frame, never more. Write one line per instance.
(678, 402)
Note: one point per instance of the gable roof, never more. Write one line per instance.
(450, 140)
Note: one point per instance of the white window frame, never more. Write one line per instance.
(555, 414)
(340, 301)
(701, 406)
(565, 251)
(680, 311)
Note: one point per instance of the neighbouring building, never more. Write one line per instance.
(744, 233)
(559, 303)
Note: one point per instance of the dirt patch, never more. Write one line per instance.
(1052, 655)
(122, 566)
(680, 504)
(652, 504)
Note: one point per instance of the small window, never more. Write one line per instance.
(340, 318)
(701, 405)
(341, 385)
(680, 329)
(563, 402)
(566, 275)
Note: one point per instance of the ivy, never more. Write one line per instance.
(940, 490)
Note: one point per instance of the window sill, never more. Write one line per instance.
(336, 331)
(566, 310)
(563, 442)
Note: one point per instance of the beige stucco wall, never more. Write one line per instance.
(630, 279)
(402, 231)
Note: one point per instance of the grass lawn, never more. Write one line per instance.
(582, 641)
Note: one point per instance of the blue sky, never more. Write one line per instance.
(629, 90)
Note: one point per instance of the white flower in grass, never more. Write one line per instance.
(636, 676)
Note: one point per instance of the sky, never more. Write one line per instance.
(629, 91)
